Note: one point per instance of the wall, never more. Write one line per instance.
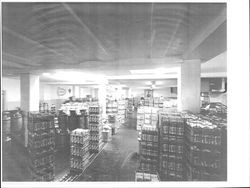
(12, 88)
(165, 92)
(50, 96)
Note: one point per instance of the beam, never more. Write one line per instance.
(208, 30)
(86, 28)
(31, 41)
(9, 64)
(25, 61)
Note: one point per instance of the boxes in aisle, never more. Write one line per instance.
(41, 145)
(204, 149)
(79, 140)
(171, 127)
(146, 176)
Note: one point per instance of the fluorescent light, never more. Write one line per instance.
(73, 76)
(148, 83)
(46, 74)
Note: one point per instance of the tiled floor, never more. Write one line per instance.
(117, 161)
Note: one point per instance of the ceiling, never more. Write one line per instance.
(109, 38)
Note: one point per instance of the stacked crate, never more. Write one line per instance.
(43, 107)
(148, 149)
(146, 116)
(95, 126)
(171, 147)
(41, 146)
(79, 150)
(204, 150)
(121, 111)
(140, 120)
(112, 107)
(146, 176)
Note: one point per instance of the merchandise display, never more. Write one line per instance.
(95, 127)
(79, 149)
(112, 107)
(43, 107)
(205, 156)
(171, 146)
(146, 176)
(41, 146)
(149, 148)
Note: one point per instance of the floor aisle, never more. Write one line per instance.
(118, 160)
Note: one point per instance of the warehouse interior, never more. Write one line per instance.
(114, 92)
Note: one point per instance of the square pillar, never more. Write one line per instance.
(29, 92)
(189, 86)
(29, 99)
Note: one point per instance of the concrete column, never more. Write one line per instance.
(29, 99)
(189, 86)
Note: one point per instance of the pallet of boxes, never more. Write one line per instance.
(171, 127)
(121, 112)
(41, 146)
(204, 149)
(148, 146)
(62, 132)
(141, 175)
(79, 150)
(95, 126)
(112, 112)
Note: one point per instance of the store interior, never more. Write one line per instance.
(116, 76)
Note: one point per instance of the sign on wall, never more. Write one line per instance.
(148, 93)
(61, 91)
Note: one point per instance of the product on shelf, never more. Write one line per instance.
(149, 148)
(43, 107)
(141, 175)
(41, 146)
(62, 121)
(84, 120)
(112, 107)
(95, 126)
(171, 147)
(73, 120)
(205, 149)
(79, 149)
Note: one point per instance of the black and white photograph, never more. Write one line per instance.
(124, 92)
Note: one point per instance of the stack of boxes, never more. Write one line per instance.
(121, 111)
(79, 149)
(171, 147)
(146, 176)
(204, 150)
(158, 103)
(140, 121)
(148, 139)
(112, 107)
(149, 148)
(41, 146)
(95, 126)
(62, 132)
(149, 102)
(146, 116)
(130, 108)
(43, 107)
